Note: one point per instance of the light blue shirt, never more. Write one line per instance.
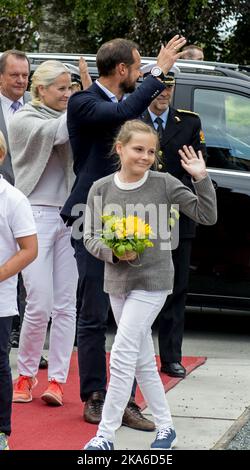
(163, 116)
(109, 93)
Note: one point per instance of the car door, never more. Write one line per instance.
(220, 265)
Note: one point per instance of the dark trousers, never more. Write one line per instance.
(5, 376)
(92, 306)
(21, 303)
(171, 317)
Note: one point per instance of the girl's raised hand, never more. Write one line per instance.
(193, 163)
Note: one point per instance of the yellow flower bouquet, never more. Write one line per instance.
(123, 234)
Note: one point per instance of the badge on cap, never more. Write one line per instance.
(169, 79)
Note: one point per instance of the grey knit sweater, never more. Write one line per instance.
(32, 134)
(154, 268)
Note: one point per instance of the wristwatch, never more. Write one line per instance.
(157, 72)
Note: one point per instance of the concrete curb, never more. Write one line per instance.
(238, 424)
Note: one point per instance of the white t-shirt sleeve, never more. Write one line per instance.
(22, 222)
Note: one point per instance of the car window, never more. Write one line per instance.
(225, 119)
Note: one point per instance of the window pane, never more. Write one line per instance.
(225, 119)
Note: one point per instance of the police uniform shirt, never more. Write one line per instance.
(163, 116)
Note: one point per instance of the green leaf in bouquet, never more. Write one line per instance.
(140, 246)
(148, 243)
(133, 243)
(120, 250)
(128, 246)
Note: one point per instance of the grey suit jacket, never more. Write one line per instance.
(6, 168)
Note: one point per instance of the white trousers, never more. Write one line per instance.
(51, 283)
(133, 355)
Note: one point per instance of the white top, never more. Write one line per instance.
(128, 186)
(8, 112)
(16, 220)
(62, 134)
(51, 189)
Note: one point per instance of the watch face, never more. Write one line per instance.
(156, 71)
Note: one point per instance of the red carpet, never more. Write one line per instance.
(37, 426)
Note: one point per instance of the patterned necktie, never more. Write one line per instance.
(15, 106)
(160, 129)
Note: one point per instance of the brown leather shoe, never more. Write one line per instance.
(93, 408)
(133, 418)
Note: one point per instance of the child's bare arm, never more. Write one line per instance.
(27, 254)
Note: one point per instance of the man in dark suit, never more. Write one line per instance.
(14, 76)
(175, 128)
(94, 117)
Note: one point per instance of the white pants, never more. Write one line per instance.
(132, 356)
(50, 282)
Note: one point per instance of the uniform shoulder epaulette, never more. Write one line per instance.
(187, 111)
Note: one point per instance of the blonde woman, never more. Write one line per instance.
(42, 165)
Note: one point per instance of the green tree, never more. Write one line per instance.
(59, 30)
(237, 46)
(18, 24)
(150, 22)
(82, 25)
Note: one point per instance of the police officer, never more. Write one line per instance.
(176, 128)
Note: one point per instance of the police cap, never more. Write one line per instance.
(169, 78)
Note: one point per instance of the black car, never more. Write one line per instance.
(220, 94)
(220, 265)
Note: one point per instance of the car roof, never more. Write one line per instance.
(192, 67)
(214, 68)
(205, 79)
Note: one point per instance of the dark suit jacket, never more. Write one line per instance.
(182, 128)
(93, 121)
(6, 168)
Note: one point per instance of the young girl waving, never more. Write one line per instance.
(139, 285)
